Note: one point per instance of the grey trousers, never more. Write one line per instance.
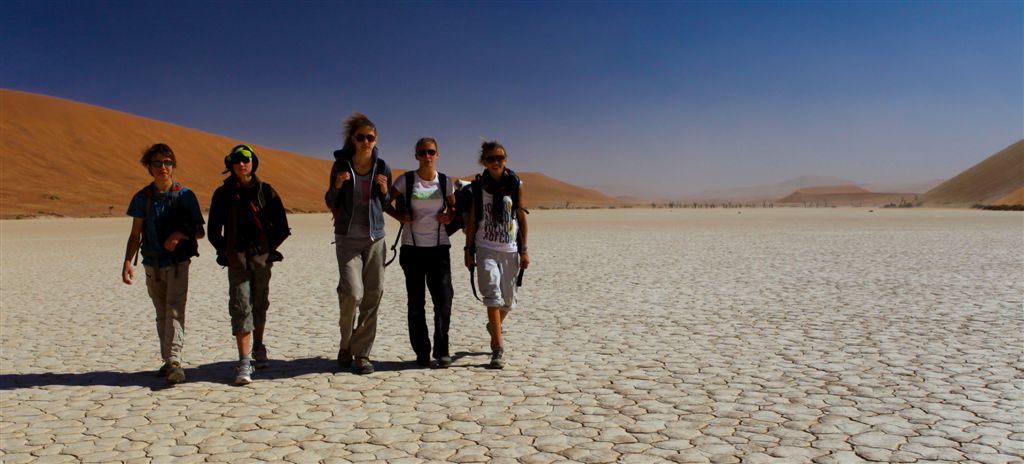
(360, 286)
(496, 273)
(168, 288)
(248, 298)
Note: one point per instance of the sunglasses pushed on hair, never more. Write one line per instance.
(365, 138)
(240, 154)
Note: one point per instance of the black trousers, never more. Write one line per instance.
(430, 265)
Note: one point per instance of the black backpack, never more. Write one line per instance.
(404, 201)
(176, 219)
(510, 183)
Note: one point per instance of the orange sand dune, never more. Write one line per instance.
(72, 159)
(1014, 198)
(995, 180)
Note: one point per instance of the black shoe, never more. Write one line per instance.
(344, 359)
(164, 370)
(496, 359)
(362, 366)
(423, 362)
(444, 362)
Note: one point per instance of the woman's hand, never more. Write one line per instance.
(382, 182)
(341, 178)
(446, 217)
(470, 260)
(524, 260)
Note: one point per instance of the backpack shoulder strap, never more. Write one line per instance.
(443, 181)
(409, 181)
(478, 198)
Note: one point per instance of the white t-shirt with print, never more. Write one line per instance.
(426, 203)
(497, 236)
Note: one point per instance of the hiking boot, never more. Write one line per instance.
(344, 359)
(496, 359)
(444, 362)
(164, 370)
(243, 373)
(175, 374)
(259, 355)
(362, 366)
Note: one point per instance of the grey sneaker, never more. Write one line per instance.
(175, 374)
(243, 373)
(259, 355)
(496, 359)
(444, 362)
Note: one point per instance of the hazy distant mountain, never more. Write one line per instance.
(845, 195)
(996, 180)
(74, 159)
(910, 187)
(767, 192)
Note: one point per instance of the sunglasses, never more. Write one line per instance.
(161, 163)
(365, 137)
(240, 159)
(427, 152)
(493, 158)
(240, 152)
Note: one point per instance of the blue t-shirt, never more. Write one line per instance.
(161, 200)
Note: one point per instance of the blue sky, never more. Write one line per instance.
(661, 96)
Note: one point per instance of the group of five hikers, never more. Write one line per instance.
(247, 223)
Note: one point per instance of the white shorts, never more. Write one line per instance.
(496, 273)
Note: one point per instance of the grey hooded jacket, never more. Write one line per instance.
(341, 201)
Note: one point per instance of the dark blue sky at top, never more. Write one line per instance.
(663, 96)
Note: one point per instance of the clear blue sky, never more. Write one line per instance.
(703, 95)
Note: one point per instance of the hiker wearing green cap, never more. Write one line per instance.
(247, 224)
(357, 193)
(166, 222)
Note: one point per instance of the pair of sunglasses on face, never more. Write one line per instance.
(157, 164)
(427, 152)
(365, 138)
(493, 158)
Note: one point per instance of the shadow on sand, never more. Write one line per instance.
(221, 372)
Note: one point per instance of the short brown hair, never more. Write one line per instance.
(157, 149)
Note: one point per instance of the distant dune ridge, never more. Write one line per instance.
(61, 157)
(998, 180)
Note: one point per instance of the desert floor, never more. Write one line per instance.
(784, 335)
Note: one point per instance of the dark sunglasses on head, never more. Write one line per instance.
(429, 151)
(493, 158)
(238, 153)
(161, 163)
(365, 137)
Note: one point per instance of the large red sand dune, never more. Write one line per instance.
(68, 158)
(993, 181)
